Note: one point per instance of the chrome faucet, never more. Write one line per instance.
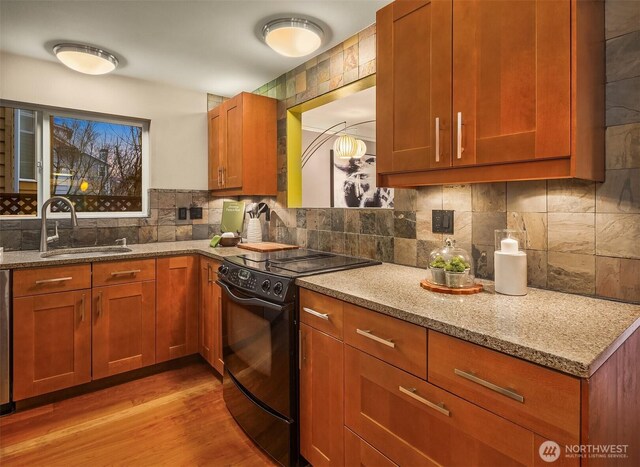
(44, 240)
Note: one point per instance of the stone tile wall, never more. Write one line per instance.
(583, 237)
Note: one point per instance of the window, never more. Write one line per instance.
(25, 141)
(99, 164)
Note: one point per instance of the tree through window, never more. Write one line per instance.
(96, 164)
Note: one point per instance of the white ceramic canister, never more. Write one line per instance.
(254, 231)
(510, 266)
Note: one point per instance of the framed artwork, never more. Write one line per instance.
(353, 184)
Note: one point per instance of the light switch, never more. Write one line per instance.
(442, 221)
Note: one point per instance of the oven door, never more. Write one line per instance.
(258, 337)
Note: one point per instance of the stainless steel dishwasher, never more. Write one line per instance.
(6, 405)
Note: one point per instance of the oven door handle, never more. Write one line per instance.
(250, 301)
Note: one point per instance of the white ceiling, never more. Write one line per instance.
(355, 108)
(206, 45)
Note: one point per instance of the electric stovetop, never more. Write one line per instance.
(296, 263)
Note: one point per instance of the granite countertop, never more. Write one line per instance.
(31, 258)
(569, 333)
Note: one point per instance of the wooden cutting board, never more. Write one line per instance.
(266, 247)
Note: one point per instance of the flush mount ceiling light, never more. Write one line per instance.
(293, 37)
(86, 59)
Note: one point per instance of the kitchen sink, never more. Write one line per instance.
(89, 251)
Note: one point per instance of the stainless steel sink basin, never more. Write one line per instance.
(89, 251)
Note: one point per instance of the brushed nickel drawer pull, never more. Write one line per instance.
(437, 149)
(367, 333)
(51, 281)
(459, 137)
(500, 390)
(317, 314)
(411, 392)
(125, 273)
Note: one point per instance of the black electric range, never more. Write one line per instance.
(271, 275)
(260, 342)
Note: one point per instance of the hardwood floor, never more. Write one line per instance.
(173, 418)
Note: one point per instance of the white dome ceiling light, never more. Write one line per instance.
(293, 37)
(86, 59)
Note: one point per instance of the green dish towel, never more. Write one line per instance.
(215, 240)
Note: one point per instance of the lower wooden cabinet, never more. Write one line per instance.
(176, 307)
(359, 452)
(124, 327)
(321, 397)
(52, 342)
(210, 315)
(413, 422)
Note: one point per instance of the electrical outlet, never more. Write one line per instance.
(182, 213)
(442, 221)
(195, 212)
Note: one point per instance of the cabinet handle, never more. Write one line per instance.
(51, 281)
(82, 308)
(411, 392)
(460, 149)
(367, 333)
(494, 387)
(125, 273)
(299, 349)
(437, 139)
(223, 180)
(323, 316)
(99, 305)
(209, 273)
(219, 177)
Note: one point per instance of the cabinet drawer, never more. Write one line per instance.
(359, 452)
(321, 312)
(120, 272)
(47, 280)
(395, 341)
(415, 423)
(542, 400)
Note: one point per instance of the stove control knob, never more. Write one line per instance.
(277, 288)
(223, 269)
(266, 285)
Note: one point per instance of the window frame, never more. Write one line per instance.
(18, 145)
(43, 158)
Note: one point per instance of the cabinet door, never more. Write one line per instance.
(359, 452)
(176, 307)
(511, 80)
(124, 328)
(210, 315)
(321, 397)
(206, 311)
(414, 86)
(415, 423)
(232, 138)
(216, 294)
(215, 148)
(51, 342)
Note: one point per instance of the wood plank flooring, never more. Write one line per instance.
(175, 418)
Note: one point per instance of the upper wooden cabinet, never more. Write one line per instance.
(242, 146)
(472, 91)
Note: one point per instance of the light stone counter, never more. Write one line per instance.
(31, 258)
(570, 333)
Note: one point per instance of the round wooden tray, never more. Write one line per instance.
(475, 288)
